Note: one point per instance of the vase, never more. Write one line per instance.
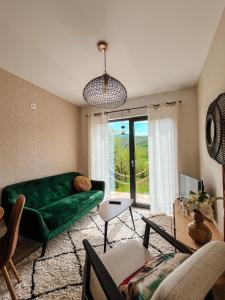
(198, 230)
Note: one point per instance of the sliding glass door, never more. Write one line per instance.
(141, 169)
(128, 160)
(119, 159)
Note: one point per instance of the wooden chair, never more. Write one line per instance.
(193, 279)
(8, 244)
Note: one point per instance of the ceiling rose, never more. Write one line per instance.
(105, 91)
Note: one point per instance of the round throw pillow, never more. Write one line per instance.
(82, 184)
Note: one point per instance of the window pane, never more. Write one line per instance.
(141, 162)
(119, 166)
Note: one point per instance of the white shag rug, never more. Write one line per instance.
(58, 275)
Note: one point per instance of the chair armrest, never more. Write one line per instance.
(98, 185)
(194, 278)
(169, 238)
(108, 285)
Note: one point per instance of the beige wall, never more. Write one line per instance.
(188, 133)
(210, 85)
(33, 143)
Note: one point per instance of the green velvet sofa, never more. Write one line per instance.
(52, 205)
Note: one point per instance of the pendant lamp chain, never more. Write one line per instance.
(105, 60)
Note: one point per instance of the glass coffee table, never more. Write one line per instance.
(109, 211)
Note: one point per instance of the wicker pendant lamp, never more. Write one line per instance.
(105, 91)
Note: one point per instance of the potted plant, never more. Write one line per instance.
(200, 203)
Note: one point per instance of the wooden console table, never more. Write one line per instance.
(180, 228)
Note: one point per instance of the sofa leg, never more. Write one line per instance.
(98, 207)
(44, 247)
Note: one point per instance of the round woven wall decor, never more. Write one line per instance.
(215, 129)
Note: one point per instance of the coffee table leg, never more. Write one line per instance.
(105, 236)
(132, 217)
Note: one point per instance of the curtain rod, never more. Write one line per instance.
(128, 109)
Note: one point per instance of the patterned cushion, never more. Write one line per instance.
(142, 284)
(82, 184)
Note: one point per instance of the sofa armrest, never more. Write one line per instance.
(194, 278)
(33, 226)
(98, 185)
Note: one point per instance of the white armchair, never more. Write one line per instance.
(192, 280)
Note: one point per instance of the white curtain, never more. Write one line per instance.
(163, 157)
(98, 149)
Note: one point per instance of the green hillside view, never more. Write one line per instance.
(120, 164)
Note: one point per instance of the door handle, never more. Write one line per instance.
(132, 163)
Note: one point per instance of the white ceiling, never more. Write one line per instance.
(154, 45)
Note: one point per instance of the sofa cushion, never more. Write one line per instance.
(194, 278)
(61, 211)
(143, 283)
(82, 184)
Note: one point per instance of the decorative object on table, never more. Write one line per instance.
(181, 233)
(105, 91)
(82, 184)
(114, 202)
(200, 203)
(198, 230)
(182, 208)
